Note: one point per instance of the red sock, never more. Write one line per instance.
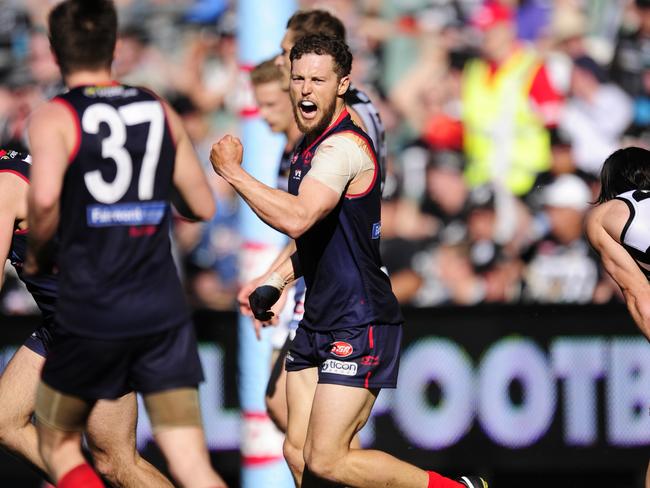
(81, 476)
(438, 481)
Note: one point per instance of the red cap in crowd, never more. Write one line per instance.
(490, 14)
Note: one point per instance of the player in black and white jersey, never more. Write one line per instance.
(106, 160)
(111, 429)
(619, 230)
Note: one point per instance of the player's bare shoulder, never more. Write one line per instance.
(348, 141)
(53, 112)
(54, 117)
(610, 216)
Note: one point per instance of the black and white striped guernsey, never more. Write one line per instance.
(368, 113)
(635, 236)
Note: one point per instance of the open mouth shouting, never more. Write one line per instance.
(307, 109)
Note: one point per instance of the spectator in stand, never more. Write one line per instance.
(210, 72)
(497, 226)
(500, 274)
(562, 162)
(595, 116)
(508, 103)
(138, 62)
(42, 65)
(561, 267)
(397, 252)
(445, 204)
(630, 68)
(632, 53)
(440, 270)
(25, 96)
(428, 95)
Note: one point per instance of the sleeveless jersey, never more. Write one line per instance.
(635, 236)
(362, 105)
(117, 275)
(339, 255)
(42, 287)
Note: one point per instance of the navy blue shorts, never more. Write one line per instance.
(41, 340)
(366, 356)
(98, 368)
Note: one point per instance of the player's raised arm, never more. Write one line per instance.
(52, 136)
(290, 214)
(618, 262)
(195, 201)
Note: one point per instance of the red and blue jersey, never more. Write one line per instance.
(117, 275)
(339, 255)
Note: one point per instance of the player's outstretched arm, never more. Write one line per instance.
(618, 263)
(52, 137)
(12, 194)
(290, 214)
(194, 199)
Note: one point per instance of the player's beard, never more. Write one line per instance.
(317, 126)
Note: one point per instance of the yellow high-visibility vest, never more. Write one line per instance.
(504, 138)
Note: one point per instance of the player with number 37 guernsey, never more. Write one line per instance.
(107, 160)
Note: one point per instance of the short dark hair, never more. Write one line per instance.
(325, 45)
(624, 170)
(308, 22)
(83, 34)
(266, 72)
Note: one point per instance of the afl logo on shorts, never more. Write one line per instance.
(341, 349)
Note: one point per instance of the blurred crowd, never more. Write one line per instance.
(499, 115)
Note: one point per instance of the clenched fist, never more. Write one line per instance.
(225, 153)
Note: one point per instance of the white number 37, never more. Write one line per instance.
(113, 147)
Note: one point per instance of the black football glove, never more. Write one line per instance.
(261, 301)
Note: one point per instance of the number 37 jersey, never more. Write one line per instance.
(117, 276)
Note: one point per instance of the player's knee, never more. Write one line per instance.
(323, 462)
(106, 466)
(111, 458)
